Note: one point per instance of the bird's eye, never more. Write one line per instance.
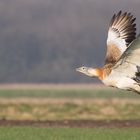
(83, 68)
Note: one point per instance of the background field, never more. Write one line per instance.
(37, 112)
(58, 102)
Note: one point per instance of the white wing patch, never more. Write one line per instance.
(117, 41)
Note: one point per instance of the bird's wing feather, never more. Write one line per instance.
(129, 62)
(122, 32)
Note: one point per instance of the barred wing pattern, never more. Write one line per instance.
(122, 32)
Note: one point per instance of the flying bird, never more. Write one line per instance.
(122, 62)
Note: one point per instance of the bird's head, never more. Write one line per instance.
(91, 72)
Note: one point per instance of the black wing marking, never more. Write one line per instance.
(137, 74)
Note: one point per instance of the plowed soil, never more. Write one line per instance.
(74, 123)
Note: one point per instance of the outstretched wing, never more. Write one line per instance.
(122, 32)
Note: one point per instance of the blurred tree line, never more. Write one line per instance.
(44, 41)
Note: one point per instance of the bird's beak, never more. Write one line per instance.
(78, 69)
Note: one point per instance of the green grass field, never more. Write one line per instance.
(32, 133)
(67, 93)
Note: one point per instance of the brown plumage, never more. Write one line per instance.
(113, 53)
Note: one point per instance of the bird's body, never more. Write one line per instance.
(122, 64)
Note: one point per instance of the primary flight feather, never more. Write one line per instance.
(122, 62)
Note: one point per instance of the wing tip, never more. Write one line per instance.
(124, 23)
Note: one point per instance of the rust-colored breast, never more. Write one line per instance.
(99, 72)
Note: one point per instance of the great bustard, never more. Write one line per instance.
(122, 63)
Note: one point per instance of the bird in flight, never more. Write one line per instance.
(122, 62)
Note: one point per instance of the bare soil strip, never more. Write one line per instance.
(25, 100)
(53, 86)
(75, 123)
